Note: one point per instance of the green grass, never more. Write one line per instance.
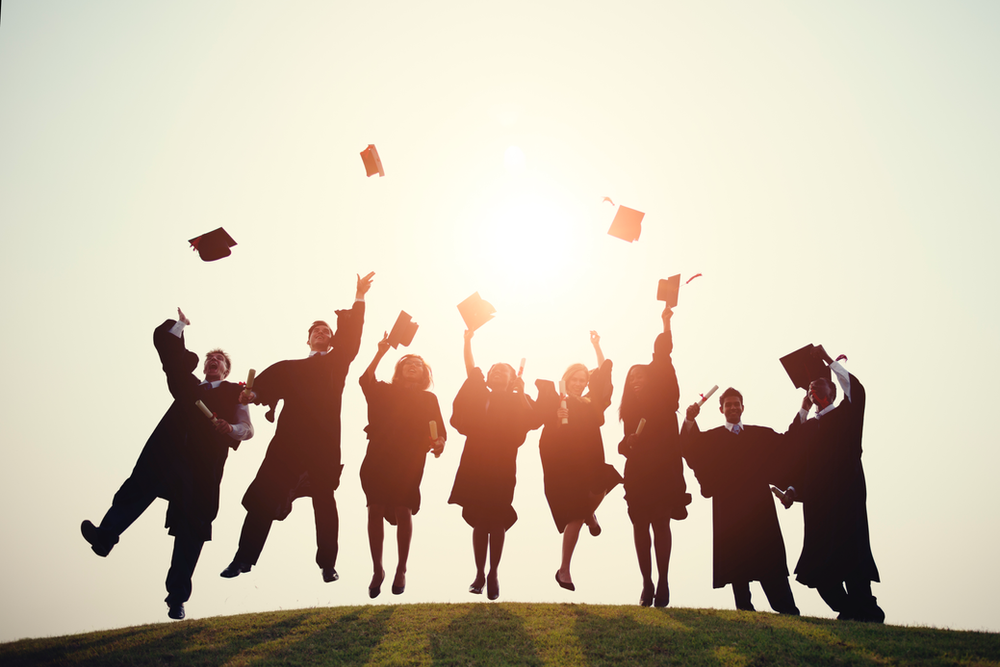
(509, 634)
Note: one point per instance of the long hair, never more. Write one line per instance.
(630, 406)
(425, 380)
(513, 374)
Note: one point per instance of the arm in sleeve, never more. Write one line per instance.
(242, 429)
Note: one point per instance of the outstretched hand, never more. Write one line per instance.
(693, 411)
(383, 345)
(469, 333)
(364, 284)
(595, 339)
(181, 318)
(436, 447)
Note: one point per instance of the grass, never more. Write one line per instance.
(510, 634)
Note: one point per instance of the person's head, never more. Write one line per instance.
(217, 365)
(823, 392)
(412, 371)
(500, 377)
(576, 378)
(320, 336)
(637, 381)
(731, 405)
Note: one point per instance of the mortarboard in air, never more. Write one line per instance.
(475, 311)
(402, 331)
(213, 245)
(373, 164)
(802, 367)
(667, 290)
(627, 224)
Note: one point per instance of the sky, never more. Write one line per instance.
(829, 169)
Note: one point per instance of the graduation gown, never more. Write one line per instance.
(495, 424)
(736, 471)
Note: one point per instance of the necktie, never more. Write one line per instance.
(736, 429)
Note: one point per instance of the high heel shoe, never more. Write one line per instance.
(568, 586)
(373, 591)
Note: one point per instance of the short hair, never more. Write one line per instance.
(730, 392)
(833, 388)
(573, 370)
(426, 379)
(229, 362)
(318, 323)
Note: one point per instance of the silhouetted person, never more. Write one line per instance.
(577, 478)
(183, 460)
(734, 464)
(654, 472)
(829, 481)
(495, 415)
(399, 437)
(303, 458)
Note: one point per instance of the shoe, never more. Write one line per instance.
(101, 540)
(492, 588)
(330, 574)
(398, 590)
(235, 569)
(595, 528)
(374, 591)
(646, 597)
(563, 584)
(176, 611)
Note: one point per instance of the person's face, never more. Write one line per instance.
(732, 408)
(412, 370)
(638, 379)
(819, 391)
(499, 378)
(320, 338)
(216, 367)
(576, 383)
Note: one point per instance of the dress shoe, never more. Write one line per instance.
(235, 569)
(567, 586)
(492, 588)
(376, 588)
(176, 611)
(398, 590)
(101, 540)
(330, 574)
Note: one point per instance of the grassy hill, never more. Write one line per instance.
(509, 634)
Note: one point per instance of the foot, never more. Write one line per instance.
(476, 588)
(646, 597)
(176, 611)
(399, 584)
(375, 587)
(492, 587)
(662, 598)
(330, 574)
(101, 540)
(595, 528)
(568, 585)
(235, 569)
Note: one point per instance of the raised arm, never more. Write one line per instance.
(383, 346)
(470, 364)
(595, 340)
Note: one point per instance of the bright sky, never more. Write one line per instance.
(830, 169)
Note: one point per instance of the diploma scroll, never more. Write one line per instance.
(562, 404)
(434, 437)
(205, 411)
(250, 377)
(708, 395)
(642, 425)
(520, 370)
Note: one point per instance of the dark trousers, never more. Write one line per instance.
(187, 549)
(777, 590)
(257, 525)
(856, 603)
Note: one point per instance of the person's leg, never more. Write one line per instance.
(779, 595)
(662, 543)
(497, 536)
(327, 533)
(404, 534)
(835, 597)
(595, 528)
(570, 537)
(741, 594)
(376, 535)
(187, 549)
(643, 548)
(131, 500)
(480, 545)
(256, 528)
(864, 607)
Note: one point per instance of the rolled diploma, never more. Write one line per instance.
(250, 376)
(708, 395)
(562, 392)
(642, 425)
(434, 431)
(204, 410)
(521, 369)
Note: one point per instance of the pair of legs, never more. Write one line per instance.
(856, 603)
(777, 590)
(376, 536)
(661, 541)
(571, 535)
(488, 538)
(257, 526)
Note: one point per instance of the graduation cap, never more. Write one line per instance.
(373, 164)
(402, 331)
(627, 224)
(802, 367)
(213, 245)
(476, 312)
(667, 290)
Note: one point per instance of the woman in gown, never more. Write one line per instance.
(654, 474)
(400, 414)
(572, 451)
(495, 415)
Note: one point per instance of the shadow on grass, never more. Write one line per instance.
(487, 635)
